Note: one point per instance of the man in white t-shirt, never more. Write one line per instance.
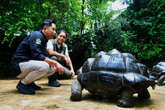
(58, 51)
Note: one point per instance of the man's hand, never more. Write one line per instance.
(73, 73)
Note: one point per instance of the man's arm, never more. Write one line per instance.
(65, 57)
(54, 53)
(70, 65)
(57, 66)
(69, 62)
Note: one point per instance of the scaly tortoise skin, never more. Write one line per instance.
(112, 74)
(158, 73)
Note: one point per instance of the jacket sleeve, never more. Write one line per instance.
(37, 47)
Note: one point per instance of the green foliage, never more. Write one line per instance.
(147, 30)
(21, 17)
(98, 14)
(127, 42)
(18, 18)
(139, 30)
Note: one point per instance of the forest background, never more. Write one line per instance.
(92, 26)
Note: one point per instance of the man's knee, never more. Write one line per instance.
(44, 67)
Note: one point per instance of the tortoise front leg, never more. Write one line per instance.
(76, 91)
(144, 94)
(161, 80)
(125, 100)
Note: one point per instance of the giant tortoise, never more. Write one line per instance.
(158, 73)
(112, 74)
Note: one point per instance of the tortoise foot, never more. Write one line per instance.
(125, 102)
(144, 94)
(160, 81)
(76, 91)
(75, 97)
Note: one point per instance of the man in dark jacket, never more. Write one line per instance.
(30, 59)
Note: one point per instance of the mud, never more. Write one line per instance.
(58, 98)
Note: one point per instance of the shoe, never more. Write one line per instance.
(54, 83)
(25, 89)
(34, 86)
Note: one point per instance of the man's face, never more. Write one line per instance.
(50, 31)
(61, 38)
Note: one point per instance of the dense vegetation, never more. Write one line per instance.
(91, 24)
(144, 32)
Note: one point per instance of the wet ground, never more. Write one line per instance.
(57, 98)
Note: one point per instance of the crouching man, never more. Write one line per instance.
(30, 59)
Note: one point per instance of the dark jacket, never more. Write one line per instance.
(33, 47)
